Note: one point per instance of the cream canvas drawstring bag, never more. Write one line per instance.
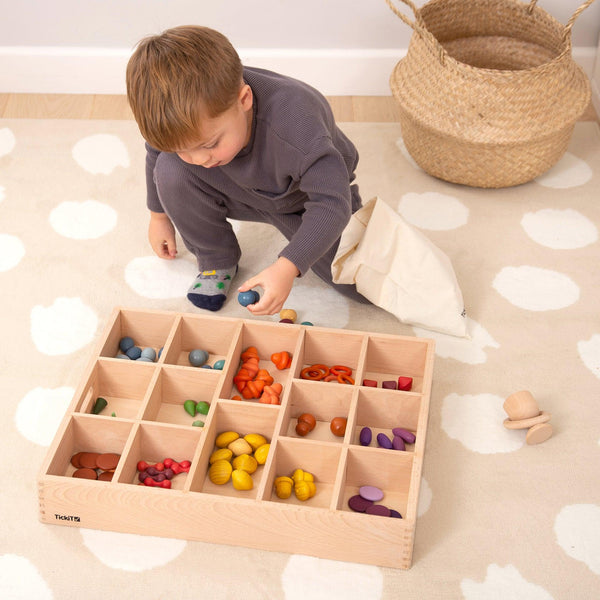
(398, 269)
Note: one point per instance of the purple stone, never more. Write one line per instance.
(408, 436)
(152, 471)
(366, 435)
(378, 509)
(398, 443)
(159, 477)
(370, 492)
(142, 476)
(388, 385)
(384, 441)
(169, 473)
(395, 514)
(359, 504)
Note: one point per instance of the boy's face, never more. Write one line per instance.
(224, 136)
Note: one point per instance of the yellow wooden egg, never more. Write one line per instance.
(261, 453)
(240, 446)
(241, 480)
(283, 487)
(224, 439)
(304, 490)
(220, 472)
(288, 313)
(245, 462)
(220, 454)
(255, 440)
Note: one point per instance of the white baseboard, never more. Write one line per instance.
(335, 72)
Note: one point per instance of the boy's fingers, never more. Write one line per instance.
(247, 285)
(169, 249)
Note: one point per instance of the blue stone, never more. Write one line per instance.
(134, 352)
(149, 353)
(197, 357)
(249, 297)
(126, 343)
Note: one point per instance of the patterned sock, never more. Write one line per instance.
(209, 289)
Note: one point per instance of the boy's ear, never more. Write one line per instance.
(246, 97)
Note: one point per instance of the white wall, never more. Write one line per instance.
(341, 46)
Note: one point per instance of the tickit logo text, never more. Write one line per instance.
(67, 518)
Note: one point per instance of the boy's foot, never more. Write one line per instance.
(209, 289)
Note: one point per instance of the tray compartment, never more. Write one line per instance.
(382, 410)
(148, 329)
(152, 443)
(390, 357)
(87, 433)
(391, 471)
(198, 332)
(123, 384)
(324, 403)
(320, 459)
(172, 388)
(329, 348)
(243, 418)
(267, 338)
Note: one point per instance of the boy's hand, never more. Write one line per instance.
(276, 281)
(161, 234)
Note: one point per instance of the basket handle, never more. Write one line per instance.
(419, 26)
(403, 17)
(570, 22)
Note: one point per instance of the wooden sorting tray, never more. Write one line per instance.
(150, 424)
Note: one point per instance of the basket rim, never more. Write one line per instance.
(421, 29)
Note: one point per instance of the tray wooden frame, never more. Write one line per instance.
(150, 424)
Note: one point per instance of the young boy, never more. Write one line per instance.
(224, 141)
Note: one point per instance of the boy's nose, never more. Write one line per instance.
(200, 158)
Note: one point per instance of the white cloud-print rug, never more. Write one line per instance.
(498, 518)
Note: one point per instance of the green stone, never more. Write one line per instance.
(99, 405)
(190, 407)
(202, 407)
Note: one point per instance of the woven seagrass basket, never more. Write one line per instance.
(488, 91)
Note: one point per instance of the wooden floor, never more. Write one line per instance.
(90, 106)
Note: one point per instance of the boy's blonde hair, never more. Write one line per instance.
(178, 78)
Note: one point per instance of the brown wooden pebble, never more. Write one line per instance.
(75, 460)
(106, 476)
(108, 461)
(88, 459)
(539, 433)
(85, 473)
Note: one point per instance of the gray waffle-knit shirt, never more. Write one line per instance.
(297, 161)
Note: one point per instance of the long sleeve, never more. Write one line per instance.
(324, 179)
(152, 201)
